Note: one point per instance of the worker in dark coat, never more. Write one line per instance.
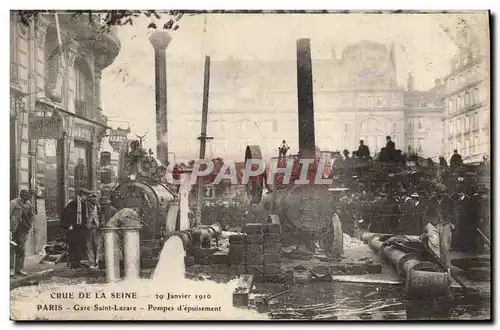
(456, 159)
(74, 219)
(22, 213)
(390, 148)
(363, 151)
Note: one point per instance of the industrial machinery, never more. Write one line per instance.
(140, 187)
(305, 211)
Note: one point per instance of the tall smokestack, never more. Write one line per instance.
(160, 41)
(307, 143)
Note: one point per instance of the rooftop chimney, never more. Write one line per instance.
(307, 144)
(160, 41)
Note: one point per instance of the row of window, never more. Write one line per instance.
(465, 99)
(467, 147)
(55, 80)
(415, 123)
(463, 124)
(416, 145)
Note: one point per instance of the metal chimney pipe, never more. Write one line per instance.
(160, 41)
(307, 144)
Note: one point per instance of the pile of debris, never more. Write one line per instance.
(54, 253)
(351, 242)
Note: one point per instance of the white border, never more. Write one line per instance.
(214, 4)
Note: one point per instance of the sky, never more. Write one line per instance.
(421, 47)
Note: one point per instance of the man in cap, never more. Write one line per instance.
(74, 219)
(22, 212)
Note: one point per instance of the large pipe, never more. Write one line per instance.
(132, 252)
(112, 262)
(307, 144)
(160, 41)
(422, 278)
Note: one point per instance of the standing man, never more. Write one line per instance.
(73, 219)
(363, 151)
(390, 146)
(456, 159)
(441, 209)
(22, 212)
(92, 231)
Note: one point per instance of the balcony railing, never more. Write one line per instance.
(14, 72)
(81, 108)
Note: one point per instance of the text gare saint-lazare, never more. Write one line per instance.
(121, 295)
(89, 295)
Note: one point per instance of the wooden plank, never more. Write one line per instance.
(364, 279)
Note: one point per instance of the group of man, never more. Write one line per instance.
(83, 219)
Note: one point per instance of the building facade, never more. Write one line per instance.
(56, 122)
(356, 97)
(467, 100)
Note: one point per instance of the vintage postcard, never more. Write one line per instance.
(266, 165)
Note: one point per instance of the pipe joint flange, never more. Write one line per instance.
(402, 263)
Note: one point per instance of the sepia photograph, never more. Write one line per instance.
(245, 165)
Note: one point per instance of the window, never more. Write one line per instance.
(53, 66)
(476, 95)
(370, 102)
(105, 158)
(394, 127)
(14, 34)
(379, 102)
(411, 145)
(459, 103)
(420, 123)
(466, 99)
(362, 102)
(467, 146)
(410, 124)
(84, 89)
(467, 123)
(346, 128)
(83, 169)
(420, 146)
